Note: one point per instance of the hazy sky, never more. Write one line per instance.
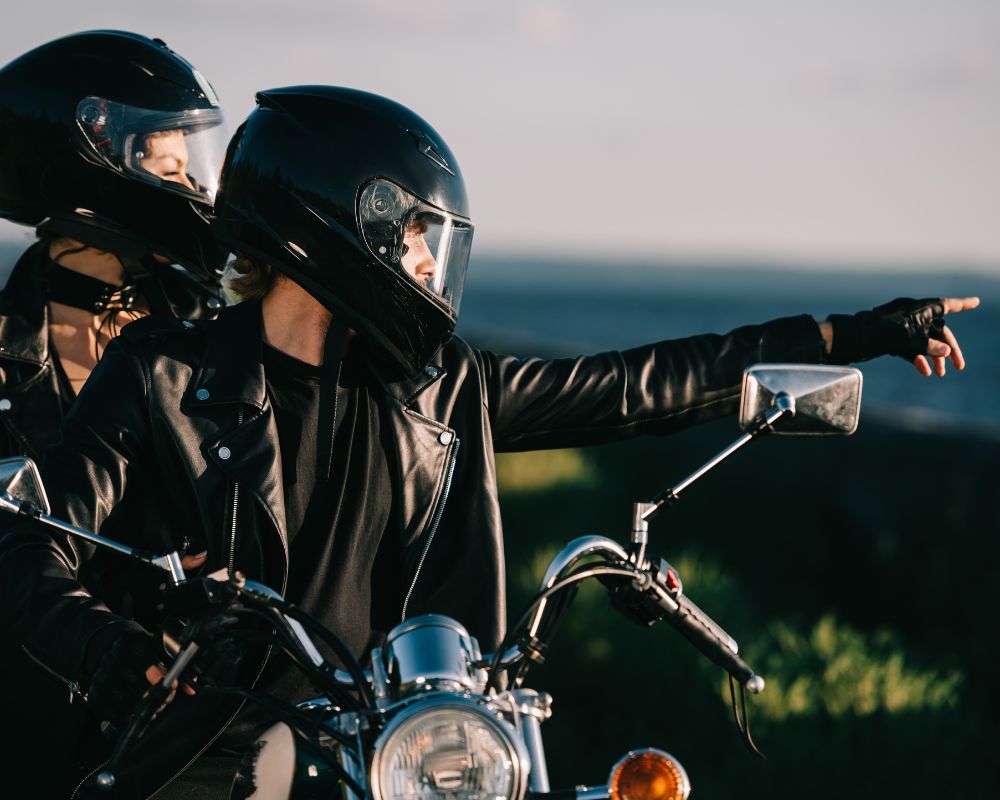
(790, 129)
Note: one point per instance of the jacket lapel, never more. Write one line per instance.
(231, 380)
(424, 447)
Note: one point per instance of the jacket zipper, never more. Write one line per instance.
(73, 686)
(88, 776)
(236, 505)
(434, 524)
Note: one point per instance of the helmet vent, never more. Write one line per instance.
(426, 146)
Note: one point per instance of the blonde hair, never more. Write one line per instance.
(247, 279)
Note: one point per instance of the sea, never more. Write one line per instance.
(560, 307)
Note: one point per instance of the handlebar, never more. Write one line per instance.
(705, 634)
(655, 593)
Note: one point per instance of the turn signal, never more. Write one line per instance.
(648, 775)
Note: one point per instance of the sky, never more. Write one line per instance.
(798, 131)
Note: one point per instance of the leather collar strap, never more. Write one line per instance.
(72, 288)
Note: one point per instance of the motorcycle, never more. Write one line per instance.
(433, 718)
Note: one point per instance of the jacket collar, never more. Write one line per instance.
(24, 330)
(406, 388)
(232, 370)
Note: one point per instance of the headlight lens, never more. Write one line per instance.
(458, 752)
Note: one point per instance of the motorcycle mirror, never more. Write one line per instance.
(827, 400)
(22, 492)
(20, 481)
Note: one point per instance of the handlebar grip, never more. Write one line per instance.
(710, 639)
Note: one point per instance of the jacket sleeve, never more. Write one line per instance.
(46, 606)
(535, 403)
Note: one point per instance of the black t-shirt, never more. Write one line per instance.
(344, 569)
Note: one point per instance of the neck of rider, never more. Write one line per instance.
(295, 322)
(90, 261)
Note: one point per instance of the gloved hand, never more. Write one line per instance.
(120, 680)
(901, 328)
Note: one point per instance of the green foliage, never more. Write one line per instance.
(835, 670)
(869, 615)
(545, 469)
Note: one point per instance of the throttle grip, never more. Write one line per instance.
(710, 639)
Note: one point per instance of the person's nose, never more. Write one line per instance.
(426, 267)
(183, 179)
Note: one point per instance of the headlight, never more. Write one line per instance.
(448, 748)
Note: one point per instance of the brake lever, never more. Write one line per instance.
(144, 714)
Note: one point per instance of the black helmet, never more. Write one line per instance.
(114, 140)
(359, 201)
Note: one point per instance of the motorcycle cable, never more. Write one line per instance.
(317, 676)
(314, 627)
(555, 611)
(331, 640)
(513, 632)
(320, 676)
(743, 725)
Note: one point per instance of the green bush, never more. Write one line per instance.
(869, 614)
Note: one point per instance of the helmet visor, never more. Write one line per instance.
(180, 151)
(425, 244)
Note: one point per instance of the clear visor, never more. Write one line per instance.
(429, 246)
(182, 151)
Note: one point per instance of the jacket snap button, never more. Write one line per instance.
(445, 437)
(432, 372)
(202, 394)
(213, 303)
(225, 453)
(5, 404)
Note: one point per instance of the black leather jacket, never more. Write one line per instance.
(31, 405)
(176, 416)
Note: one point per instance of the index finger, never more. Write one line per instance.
(955, 304)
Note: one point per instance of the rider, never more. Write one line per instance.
(329, 435)
(110, 146)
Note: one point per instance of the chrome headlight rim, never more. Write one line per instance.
(515, 747)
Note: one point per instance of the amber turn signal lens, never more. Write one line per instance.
(648, 775)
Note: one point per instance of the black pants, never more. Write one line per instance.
(209, 778)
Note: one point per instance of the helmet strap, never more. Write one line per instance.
(72, 288)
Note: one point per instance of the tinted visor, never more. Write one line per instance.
(181, 151)
(426, 244)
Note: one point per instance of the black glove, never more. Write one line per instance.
(120, 680)
(899, 328)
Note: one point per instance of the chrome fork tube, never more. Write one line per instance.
(531, 709)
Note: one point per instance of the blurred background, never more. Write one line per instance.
(646, 170)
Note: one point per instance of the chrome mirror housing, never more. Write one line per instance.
(826, 400)
(20, 481)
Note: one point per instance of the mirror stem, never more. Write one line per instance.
(643, 512)
(169, 563)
